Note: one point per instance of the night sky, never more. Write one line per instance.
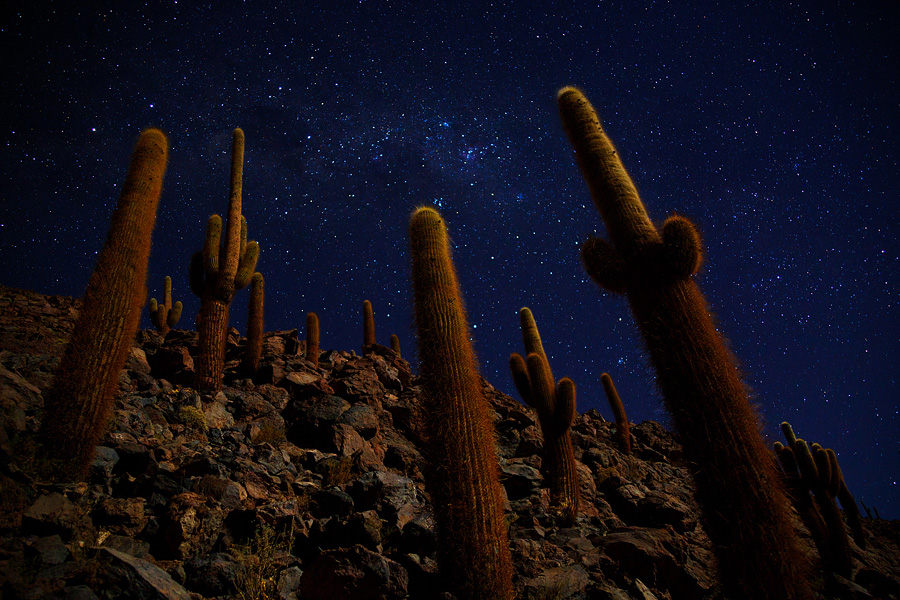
(775, 128)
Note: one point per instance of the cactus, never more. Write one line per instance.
(78, 404)
(368, 326)
(462, 471)
(218, 271)
(744, 506)
(555, 404)
(164, 316)
(312, 339)
(623, 432)
(395, 344)
(253, 350)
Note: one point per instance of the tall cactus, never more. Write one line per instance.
(368, 326)
(745, 509)
(623, 430)
(253, 350)
(462, 459)
(555, 405)
(312, 339)
(165, 315)
(79, 402)
(218, 271)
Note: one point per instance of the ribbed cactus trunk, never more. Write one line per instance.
(212, 326)
(312, 339)
(745, 510)
(253, 350)
(78, 405)
(623, 430)
(462, 459)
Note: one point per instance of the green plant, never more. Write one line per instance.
(312, 339)
(368, 325)
(336, 471)
(79, 402)
(250, 360)
(165, 315)
(260, 559)
(218, 271)
(555, 405)
(192, 418)
(461, 466)
(744, 506)
(623, 431)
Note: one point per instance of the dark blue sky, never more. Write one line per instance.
(775, 128)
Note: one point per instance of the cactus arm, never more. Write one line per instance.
(604, 265)
(312, 338)
(246, 266)
(395, 344)
(530, 334)
(520, 377)
(623, 430)
(682, 246)
(789, 435)
(253, 350)
(565, 404)
(368, 325)
(211, 248)
(174, 314)
(232, 247)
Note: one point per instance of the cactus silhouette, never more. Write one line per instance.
(164, 315)
(253, 350)
(312, 339)
(78, 404)
(744, 506)
(395, 344)
(368, 325)
(462, 460)
(555, 405)
(218, 271)
(623, 431)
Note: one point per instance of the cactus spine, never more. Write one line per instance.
(368, 326)
(79, 402)
(253, 350)
(745, 510)
(555, 405)
(218, 271)
(462, 459)
(312, 339)
(164, 315)
(623, 431)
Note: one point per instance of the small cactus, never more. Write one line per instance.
(79, 402)
(368, 326)
(555, 405)
(395, 344)
(623, 431)
(164, 316)
(253, 351)
(218, 271)
(461, 466)
(312, 339)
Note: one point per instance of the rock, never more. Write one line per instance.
(215, 575)
(124, 576)
(190, 526)
(362, 418)
(125, 515)
(353, 574)
(101, 469)
(52, 514)
(559, 583)
(217, 416)
(47, 551)
(520, 480)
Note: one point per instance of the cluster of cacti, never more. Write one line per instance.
(812, 468)
(218, 271)
(462, 467)
(623, 431)
(165, 315)
(312, 339)
(555, 405)
(253, 350)
(745, 510)
(368, 326)
(78, 405)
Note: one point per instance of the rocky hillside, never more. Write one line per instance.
(307, 483)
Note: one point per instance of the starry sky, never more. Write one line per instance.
(775, 128)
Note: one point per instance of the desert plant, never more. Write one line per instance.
(395, 344)
(218, 271)
(253, 351)
(744, 506)
(555, 405)
(368, 326)
(165, 315)
(79, 402)
(312, 339)
(623, 431)
(461, 466)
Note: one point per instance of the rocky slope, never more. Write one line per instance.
(307, 483)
